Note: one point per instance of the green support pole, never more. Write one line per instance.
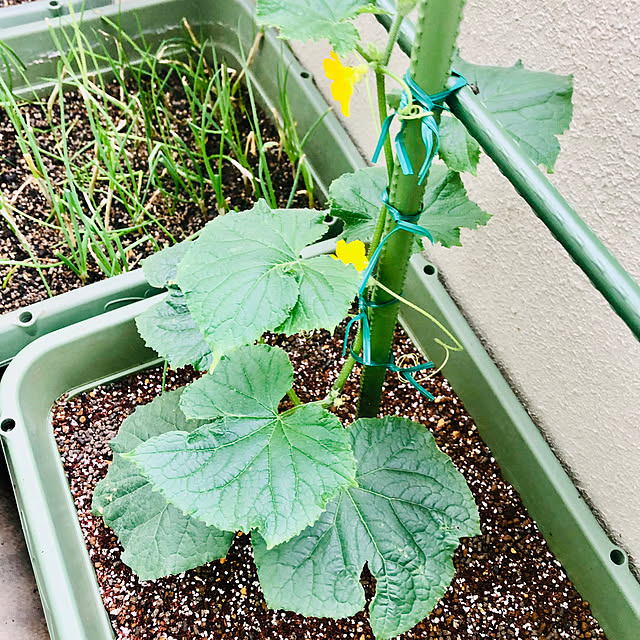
(601, 267)
(436, 34)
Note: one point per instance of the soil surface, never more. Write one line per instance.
(17, 187)
(508, 584)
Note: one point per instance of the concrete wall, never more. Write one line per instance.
(573, 362)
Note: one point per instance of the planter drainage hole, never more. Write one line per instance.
(429, 269)
(305, 74)
(7, 424)
(617, 556)
(55, 8)
(25, 317)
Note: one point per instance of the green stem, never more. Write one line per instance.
(165, 366)
(345, 372)
(293, 396)
(363, 54)
(349, 363)
(394, 29)
(382, 112)
(437, 30)
(381, 89)
(377, 232)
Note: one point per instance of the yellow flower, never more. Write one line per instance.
(352, 253)
(344, 79)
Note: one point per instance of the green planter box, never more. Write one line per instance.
(231, 25)
(20, 328)
(107, 346)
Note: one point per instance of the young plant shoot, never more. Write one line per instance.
(319, 499)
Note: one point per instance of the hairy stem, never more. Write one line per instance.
(382, 112)
(350, 362)
(380, 86)
(394, 29)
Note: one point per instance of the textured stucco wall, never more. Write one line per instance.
(575, 365)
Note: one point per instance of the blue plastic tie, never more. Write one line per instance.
(428, 124)
(403, 222)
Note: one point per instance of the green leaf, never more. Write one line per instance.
(458, 150)
(355, 197)
(161, 415)
(244, 276)
(158, 539)
(251, 468)
(324, 282)
(169, 329)
(404, 520)
(533, 106)
(315, 19)
(447, 207)
(161, 268)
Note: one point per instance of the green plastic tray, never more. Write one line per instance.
(231, 25)
(107, 347)
(20, 328)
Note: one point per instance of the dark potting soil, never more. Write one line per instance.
(508, 585)
(24, 286)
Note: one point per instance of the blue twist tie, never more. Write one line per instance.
(403, 222)
(428, 125)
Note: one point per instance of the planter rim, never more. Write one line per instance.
(26, 13)
(24, 325)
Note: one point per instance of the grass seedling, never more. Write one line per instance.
(155, 131)
(290, 140)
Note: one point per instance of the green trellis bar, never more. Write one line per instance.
(587, 251)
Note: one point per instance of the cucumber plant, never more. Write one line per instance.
(319, 499)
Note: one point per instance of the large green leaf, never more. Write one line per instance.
(404, 520)
(447, 207)
(168, 326)
(458, 150)
(244, 276)
(158, 539)
(169, 329)
(355, 197)
(251, 468)
(533, 106)
(315, 19)
(161, 268)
